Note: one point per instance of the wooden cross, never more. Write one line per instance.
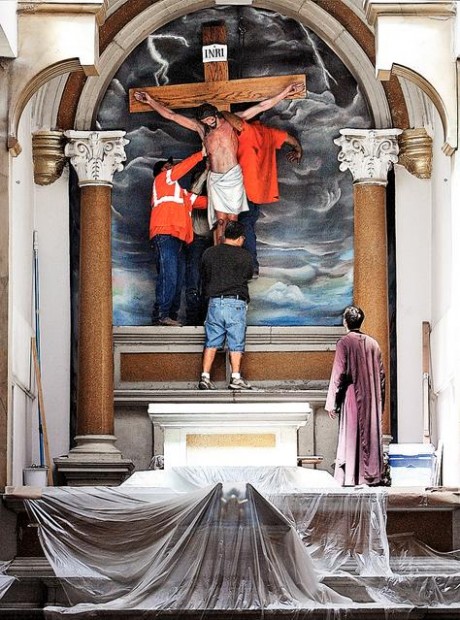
(217, 88)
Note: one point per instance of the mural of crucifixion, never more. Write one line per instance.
(217, 87)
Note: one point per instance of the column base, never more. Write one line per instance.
(94, 461)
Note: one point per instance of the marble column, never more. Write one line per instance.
(369, 155)
(96, 156)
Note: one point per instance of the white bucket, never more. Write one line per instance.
(35, 476)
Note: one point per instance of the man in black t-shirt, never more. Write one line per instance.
(226, 271)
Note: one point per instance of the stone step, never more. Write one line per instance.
(36, 587)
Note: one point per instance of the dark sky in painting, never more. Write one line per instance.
(306, 239)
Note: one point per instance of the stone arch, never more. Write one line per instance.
(337, 24)
(429, 90)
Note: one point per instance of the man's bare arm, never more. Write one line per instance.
(295, 155)
(267, 104)
(234, 120)
(168, 114)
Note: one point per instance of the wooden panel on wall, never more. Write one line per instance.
(165, 367)
(288, 365)
(257, 366)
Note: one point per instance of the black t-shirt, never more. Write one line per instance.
(226, 270)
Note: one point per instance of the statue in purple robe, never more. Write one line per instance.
(357, 394)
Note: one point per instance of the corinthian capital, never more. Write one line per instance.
(96, 155)
(368, 153)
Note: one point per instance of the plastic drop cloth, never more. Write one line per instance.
(342, 530)
(220, 548)
(340, 527)
(262, 540)
(5, 580)
(266, 479)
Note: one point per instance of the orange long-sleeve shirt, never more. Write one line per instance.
(257, 146)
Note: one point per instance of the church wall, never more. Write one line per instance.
(413, 249)
(445, 235)
(135, 436)
(23, 451)
(44, 209)
(52, 222)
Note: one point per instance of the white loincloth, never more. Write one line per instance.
(226, 193)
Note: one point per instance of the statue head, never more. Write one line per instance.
(206, 110)
(353, 317)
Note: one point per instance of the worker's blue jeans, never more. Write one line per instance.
(170, 263)
(249, 220)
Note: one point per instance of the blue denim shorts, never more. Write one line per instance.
(226, 317)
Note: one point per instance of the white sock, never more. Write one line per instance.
(205, 375)
(236, 375)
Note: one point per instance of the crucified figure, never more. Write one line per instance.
(218, 131)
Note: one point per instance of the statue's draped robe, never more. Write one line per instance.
(357, 387)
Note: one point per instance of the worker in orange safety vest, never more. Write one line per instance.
(170, 230)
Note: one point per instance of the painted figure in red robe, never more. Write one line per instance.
(357, 394)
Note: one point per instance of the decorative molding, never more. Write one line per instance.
(258, 412)
(96, 155)
(312, 392)
(416, 152)
(235, 2)
(94, 461)
(98, 8)
(48, 156)
(368, 153)
(421, 8)
(67, 41)
(416, 41)
(191, 339)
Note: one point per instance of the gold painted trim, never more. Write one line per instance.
(48, 156)
(416, 152)
(232, 440)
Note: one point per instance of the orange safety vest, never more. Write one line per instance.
(172, 205)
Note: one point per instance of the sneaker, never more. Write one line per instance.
(255, 273)
(169, 322)
(206, 384)
(239, 384)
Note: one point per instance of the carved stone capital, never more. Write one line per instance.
(96, 155)
(368, 153)
(416, 152)
(48, 156)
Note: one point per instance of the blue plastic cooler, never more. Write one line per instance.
(411, 464)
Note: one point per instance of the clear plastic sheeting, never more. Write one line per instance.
(269, 545)
(6, 581)
(223, 548)
(339, 526)
(342, 530)
(265, 479)
(421, 576)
